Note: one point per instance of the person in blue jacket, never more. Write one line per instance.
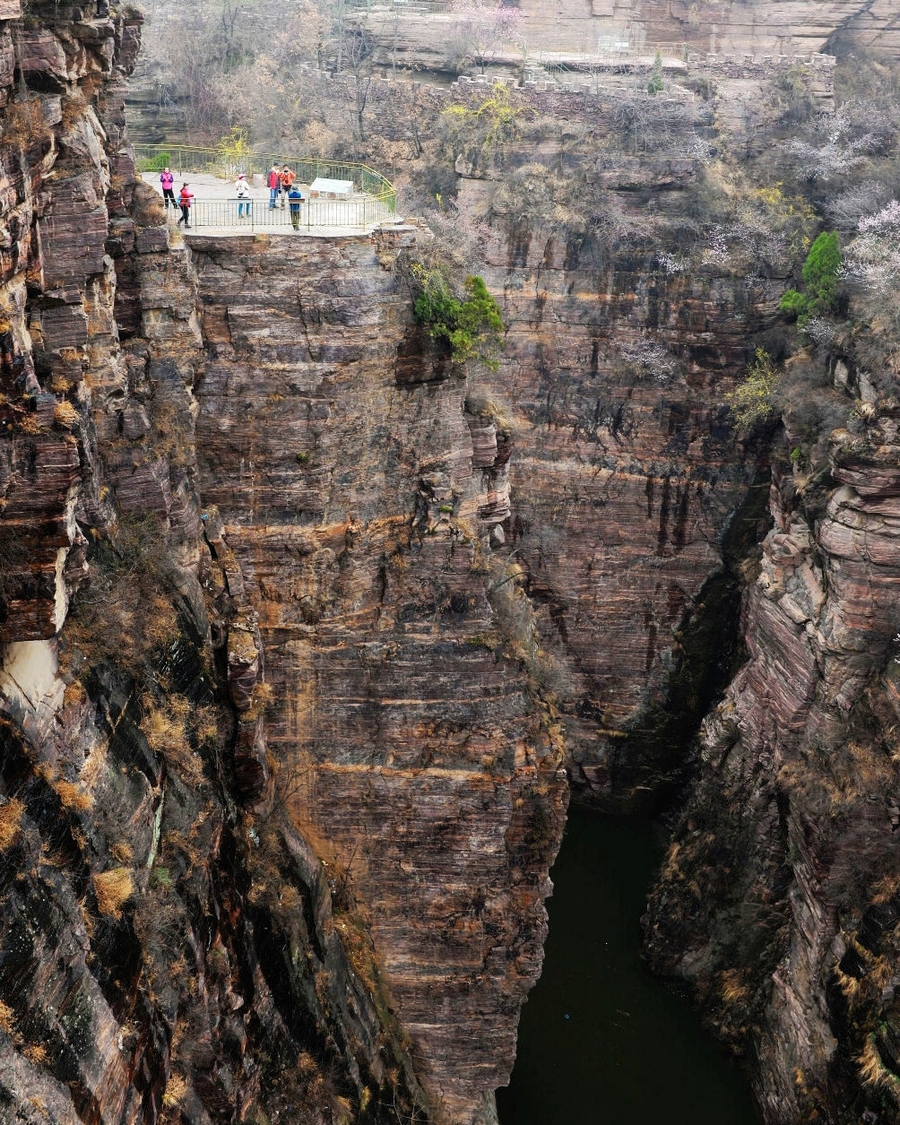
(295, 198)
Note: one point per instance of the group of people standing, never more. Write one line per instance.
(185, 198)
(280, 183)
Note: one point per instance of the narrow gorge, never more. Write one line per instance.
(311, 632)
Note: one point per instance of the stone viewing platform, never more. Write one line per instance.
(366, 201)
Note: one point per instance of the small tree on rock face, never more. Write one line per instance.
(752, 401)
(655, 85)
(820, 277)
(470, 324)
(478, 133)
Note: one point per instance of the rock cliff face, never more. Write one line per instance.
(300, 623)
(185, 936)
(627, 473)
(408, 742)
(784, 913)
(797, 27)
(168, 937)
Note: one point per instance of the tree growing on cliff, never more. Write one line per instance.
(469, 322)
(655, 85)
(752, 401)
(820, 279)
(479, 131)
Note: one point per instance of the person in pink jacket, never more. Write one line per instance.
(167, 180)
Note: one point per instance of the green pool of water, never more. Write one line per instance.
(602, 1041)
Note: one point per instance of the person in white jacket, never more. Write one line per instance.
(243, 195)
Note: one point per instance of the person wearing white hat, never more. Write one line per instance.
(243, 195)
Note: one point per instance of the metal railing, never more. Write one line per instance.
(185, 160)
(257, 215)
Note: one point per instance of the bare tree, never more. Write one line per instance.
(482, 29)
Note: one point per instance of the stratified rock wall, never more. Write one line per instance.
(772, 27)
(409, 745)
(612, 390)
(163, 954)
(792, 827)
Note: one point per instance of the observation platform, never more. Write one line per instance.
(214, 210)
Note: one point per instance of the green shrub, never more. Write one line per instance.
(795, 304)
(820, 270)
(820, 278)
(155, 163)
(655, 85)
(470, 324)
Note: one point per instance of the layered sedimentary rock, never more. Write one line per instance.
(616, 27)
(778, 898)
(612, 31)
(408, 743)
(613, 386)
(162, 954)
(267, 551)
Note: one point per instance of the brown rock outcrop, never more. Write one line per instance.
(803, 745)
(162, 955)
(406, 742)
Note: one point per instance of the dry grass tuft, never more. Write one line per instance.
(74, 108)
(7, 1018)
(874, 1073)
(24, 124)
(95, 767)
(74, 694)
(166, 731)
(65, 415)
(125, 616)
(849, 985)
(36, 1053)
(113, 888)
(733, 988)
(206, 724)
(10, 822)
(122, 852)
(176, 1088)
(72, 796)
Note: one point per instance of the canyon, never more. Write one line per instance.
(309, 631)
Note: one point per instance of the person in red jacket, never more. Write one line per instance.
(274, 182)
(185, 199)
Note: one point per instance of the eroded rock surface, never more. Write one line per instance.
(165, 955)
(409, 745)
(779, 893)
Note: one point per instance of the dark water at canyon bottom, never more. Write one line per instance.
(602, 1041)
